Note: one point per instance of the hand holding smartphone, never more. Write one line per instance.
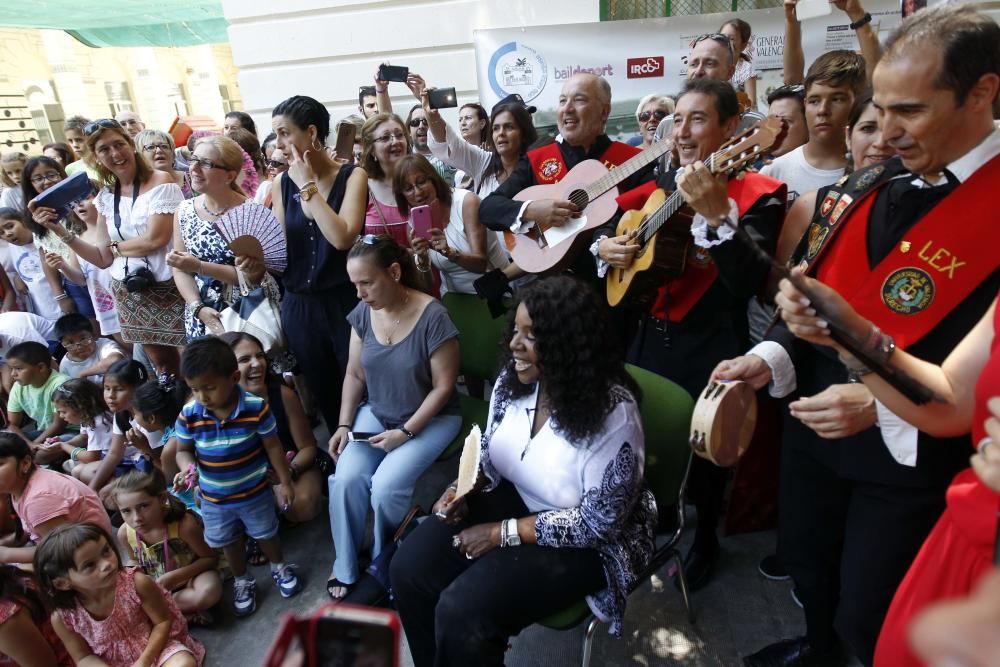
(393, 73)
(424, 219)
(442, 98)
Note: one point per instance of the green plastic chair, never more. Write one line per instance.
(479, 337)
(666, 420)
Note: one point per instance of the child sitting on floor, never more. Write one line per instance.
(86, 355)
(168, 543)
(81, 403)
(35, 383)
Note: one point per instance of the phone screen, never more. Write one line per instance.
(808, 9)
(360, 436)
(442, 98)
(353, 644)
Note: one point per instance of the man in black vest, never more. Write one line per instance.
(857, 501)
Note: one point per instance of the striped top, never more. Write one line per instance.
(232, 462)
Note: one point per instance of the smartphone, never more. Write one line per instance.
(355, 636)
(810, 9)
(423, 218)
(345, 141)
(393, 73)
(359, 436)
(442, 98)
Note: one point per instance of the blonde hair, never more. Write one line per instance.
(230, 157)
(10, 158)
(661, 100)
(143, 170)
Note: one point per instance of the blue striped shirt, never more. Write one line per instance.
(232, 462)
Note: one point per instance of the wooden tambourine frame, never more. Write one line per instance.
(723, 422)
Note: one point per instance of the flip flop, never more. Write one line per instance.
(332, 584)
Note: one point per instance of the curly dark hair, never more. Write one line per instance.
(84, 397)
(579, 363)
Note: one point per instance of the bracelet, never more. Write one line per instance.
(421, 268)
(864, 20)
(115, 252)
(347, 426)
(408, 433)
(196, 310)
(382, 90)
(68, 238)
(61, 296)
(75, 454)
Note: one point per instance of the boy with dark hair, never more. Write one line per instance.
(86, 355)
(226, 437)
(833, 82)
(35, 382)
(787, 103)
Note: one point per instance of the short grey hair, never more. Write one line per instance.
(660, 100)
(146, 136)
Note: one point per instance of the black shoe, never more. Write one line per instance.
(791, 653)
(699, 564)
(772, 568)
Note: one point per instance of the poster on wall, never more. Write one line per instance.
(642, 56)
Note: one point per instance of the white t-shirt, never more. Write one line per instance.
(801, 177)
(164, 198)
(154, 438)
(105, 348)
(98, 435)
(28, 265)
(454, 278)
(18, 327)
(99, 287)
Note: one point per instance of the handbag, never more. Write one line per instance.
(253, 312)
(379, 568)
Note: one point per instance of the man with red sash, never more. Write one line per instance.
(584, 107)
(699, 318)
(912, 244)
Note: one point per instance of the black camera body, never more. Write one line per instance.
(139, 280)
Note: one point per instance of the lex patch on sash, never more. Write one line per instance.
(935, 266)
(548, 164)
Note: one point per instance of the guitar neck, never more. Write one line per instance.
(615, 177)
(668, 209)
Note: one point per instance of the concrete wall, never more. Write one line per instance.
(328, 48)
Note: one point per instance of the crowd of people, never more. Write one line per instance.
(157, 434)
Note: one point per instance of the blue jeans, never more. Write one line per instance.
(368, 476)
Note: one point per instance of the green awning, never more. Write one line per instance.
(98, 23)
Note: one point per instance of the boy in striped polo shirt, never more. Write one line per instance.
(231, 435)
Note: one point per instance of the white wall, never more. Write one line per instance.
(327, 48)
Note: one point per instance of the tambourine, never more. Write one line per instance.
(723, 422)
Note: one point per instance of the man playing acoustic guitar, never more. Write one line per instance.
(699, 318)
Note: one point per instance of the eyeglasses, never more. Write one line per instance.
(51, 177)
(83, 342)
(646, 115)
(274, 164)
(102, 123)
(366, 91)
(373, 239)
(415, 185)
(398, 136)
(195, 161)
(152, 148)
(415, 122)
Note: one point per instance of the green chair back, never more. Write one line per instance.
(479, 335)
(666, 411)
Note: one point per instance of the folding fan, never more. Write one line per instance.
(252, 229)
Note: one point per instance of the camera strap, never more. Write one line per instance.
(118, 215)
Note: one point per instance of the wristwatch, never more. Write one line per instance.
(308, 190)
(864, 20)
(509, 536)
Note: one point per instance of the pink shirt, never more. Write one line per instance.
(49, 494)
(395, 224)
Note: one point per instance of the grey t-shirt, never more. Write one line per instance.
(398, 377)
(105, 348)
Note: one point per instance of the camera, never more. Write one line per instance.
(139, 280)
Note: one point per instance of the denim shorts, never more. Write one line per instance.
(225, 524)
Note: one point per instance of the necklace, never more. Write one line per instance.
(402, 309)
(210, 211)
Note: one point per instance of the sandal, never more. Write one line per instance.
(254, 555)
(333, 584)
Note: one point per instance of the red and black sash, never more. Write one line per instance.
(549, 166)
(936, 265)
(675, 299)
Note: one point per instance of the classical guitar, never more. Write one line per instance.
(662, 227)
(592, 187)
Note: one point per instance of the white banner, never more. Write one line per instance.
(643, 56)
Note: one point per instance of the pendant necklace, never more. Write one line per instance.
(388, 336)
(210, 211)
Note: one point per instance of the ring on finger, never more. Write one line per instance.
(469, 556)
(456, 541)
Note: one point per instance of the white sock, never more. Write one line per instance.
(276, 566)
(245, 577)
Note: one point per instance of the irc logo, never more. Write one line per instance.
(644, 68)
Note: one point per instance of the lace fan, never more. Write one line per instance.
(251, 229)
(468, 465)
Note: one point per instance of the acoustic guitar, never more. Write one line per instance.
(593, 188)
(662, 228)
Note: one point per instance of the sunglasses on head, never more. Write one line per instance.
(716, 37)
(373, 239)
(102, 123)
(646, 115)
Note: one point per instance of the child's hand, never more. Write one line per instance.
(135, 438)
(186, 479)
(286, 494)
(51, 444)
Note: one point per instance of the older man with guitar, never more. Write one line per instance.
(547, 227)
(690, 321)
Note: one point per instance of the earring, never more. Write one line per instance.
(849, 157)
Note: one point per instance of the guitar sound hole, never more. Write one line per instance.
(580, 198)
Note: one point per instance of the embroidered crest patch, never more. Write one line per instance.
(839, 209)
(550, 170)
(869, 177)
(828, 202)
(700, 256)
(908, 290)
(817, 234)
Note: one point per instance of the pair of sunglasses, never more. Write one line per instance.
(102, 124)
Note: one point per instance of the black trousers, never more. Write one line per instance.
(461, 612)
(847, 545)
(318, 334)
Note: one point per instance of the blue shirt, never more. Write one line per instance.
(232, 462)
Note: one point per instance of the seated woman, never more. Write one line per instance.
(560, 490)
(404, 356)
(310, 466)
(463, 249)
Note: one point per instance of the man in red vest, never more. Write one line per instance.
(584, 107)
(912, 244)
(699, 318)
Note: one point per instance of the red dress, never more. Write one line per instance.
(959, 551)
